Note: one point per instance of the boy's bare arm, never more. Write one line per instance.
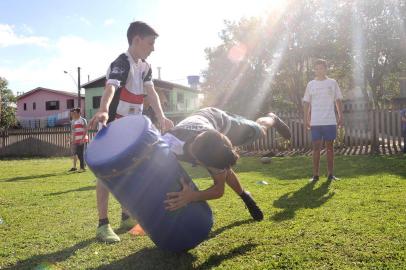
(153, 99)
(339, 106)
(179, 199)
(306, 114)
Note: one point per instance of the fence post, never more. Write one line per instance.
(3, 138)
(375, 133)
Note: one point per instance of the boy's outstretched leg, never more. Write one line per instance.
(272, 120)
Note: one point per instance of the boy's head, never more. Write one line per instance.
(75, 113)
(213, 149)
(141, 38)
(320, 68)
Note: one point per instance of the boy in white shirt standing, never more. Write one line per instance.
(321, 98)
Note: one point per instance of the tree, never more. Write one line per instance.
(7, 111)
(383, 52)
(264, 65)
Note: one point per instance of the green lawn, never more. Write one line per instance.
(49, 219)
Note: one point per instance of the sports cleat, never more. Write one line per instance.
(137, 231)
(332, 177)
(314, 179)
(106, 234)
(252, 206)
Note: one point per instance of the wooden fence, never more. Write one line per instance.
(365, 132)
(36, 142)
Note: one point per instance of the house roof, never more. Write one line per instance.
(101, 81)
(66, 93)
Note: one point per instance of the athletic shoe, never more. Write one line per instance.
(106, 234)
(254, 210)
(314, 179)
(73, 170)
(127, 224)
(137, 231)
(82, 170)
(280, 126)
(332, 177)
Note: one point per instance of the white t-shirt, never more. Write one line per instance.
(322, 96)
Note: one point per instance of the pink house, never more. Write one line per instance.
(39, 104)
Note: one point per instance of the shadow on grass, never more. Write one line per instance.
(72, 190)
(32, 177)
(50, 258)
(216, 260)
(230, 226)
(306, 197)
(154, 258)
(298, 167)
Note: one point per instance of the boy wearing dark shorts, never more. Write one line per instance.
(207, 138)
(79, 137)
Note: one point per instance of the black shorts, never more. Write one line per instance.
(239, 130)
(78, 149)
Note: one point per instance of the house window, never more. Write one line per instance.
(181, 98)
(25, 106)
(70, 103)
(34, 106)
(96, 102)
(52, 105)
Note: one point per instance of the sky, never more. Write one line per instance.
(41, 39)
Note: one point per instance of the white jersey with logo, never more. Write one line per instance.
(322, 96)
(129, 77)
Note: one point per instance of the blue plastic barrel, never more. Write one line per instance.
(136, 165)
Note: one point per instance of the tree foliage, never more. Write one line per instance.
(7, 110)
(265, 64)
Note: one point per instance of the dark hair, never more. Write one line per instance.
(320, 62)
(141, 29)
(214, 149)
(76, 110)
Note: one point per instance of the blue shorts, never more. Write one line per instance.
(327, 133)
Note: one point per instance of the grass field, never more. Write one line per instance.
(49, 219)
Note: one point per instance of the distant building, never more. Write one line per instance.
(43, 107)
(177, 100)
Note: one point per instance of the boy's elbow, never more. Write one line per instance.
(219, 193)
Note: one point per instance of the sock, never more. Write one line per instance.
(244, 195)
(124, 216)
(103, 221)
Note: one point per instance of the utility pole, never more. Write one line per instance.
(159, 73)
(79, 97)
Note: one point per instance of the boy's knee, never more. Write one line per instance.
(316, 146)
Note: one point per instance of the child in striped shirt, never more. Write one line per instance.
(79, 137)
